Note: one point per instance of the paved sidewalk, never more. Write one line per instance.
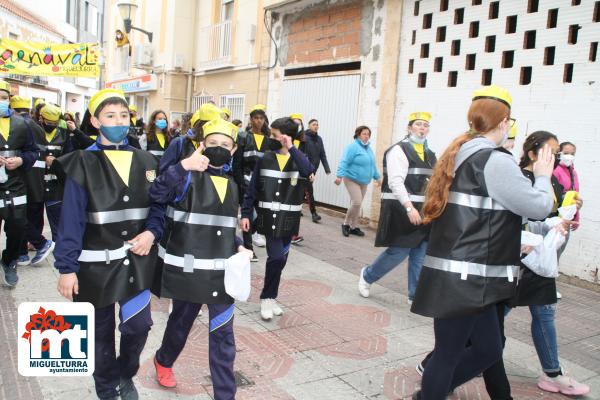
(330, 343)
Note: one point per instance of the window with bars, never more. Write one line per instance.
(235, 103)
(200, 99)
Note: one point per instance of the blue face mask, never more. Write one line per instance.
(161, 124)
(114, 134)
(190, 132)
(4, 108)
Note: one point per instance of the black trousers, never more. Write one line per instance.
(277, 255)
(35, 222)
(14, 228)
(309, 195)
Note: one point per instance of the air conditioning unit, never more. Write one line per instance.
(179, 60)
(143, 55)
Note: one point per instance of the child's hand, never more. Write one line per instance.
(311, 178)
(245, 224)
(197, 161)
(68, 285)
(142, 243)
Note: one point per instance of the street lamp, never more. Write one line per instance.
(127, 10)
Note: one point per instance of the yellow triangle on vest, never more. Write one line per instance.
(121, 161)
(50, 136)
(220, 185)
(161, 139)
(258, 138)
(5, 127)
(282, 159)
(94, 137)
(420, 150)
(195, 144)
(297, 143)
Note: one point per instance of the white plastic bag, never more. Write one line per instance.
(543, 260)
(237, 276)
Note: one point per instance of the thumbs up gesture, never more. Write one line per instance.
(197, 161)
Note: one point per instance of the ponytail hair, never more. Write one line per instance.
(484, 116)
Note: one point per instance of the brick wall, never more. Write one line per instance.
(325, 35)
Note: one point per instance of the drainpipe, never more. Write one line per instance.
(188, 91)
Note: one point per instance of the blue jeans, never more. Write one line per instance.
(543, 331)
(391, 258)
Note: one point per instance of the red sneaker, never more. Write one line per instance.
(164, 375)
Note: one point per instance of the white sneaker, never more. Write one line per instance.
(266, 309)
(277, 311)
(363, 286)
(258, 239)
(558, 295)
(170, 306)
(410, 302)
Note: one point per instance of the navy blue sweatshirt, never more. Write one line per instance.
(304, 167)
(71, 228)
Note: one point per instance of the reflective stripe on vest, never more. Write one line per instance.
(156, 152)
(465, 268)
(276, 206)
(110, 217)
(278, 174)
(201, 219)
(15, 201)
(106, 255)
(10, 153)
(39, 164)
(253, 153)
(49, 177)
(189, 263)
(413, 197)
(474, 201)
(420, 171)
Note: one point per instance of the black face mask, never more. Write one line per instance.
(48, 128)
(274, 144)
(217, 156)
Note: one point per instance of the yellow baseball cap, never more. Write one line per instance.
(220, 126)
(50, 112)
(133, 108)
(206, 112)
(5, 86)
(493, 92)
(19, 102)
(103, 95)
(423, 115)
(258, 107)
(226, 111)
(297, 116)
(39, 101)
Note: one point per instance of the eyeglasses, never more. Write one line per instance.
(512, 122)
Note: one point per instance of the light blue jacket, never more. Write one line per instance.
(358, 163)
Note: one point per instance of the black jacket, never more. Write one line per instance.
(315, 151)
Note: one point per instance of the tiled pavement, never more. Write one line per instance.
(329, 344)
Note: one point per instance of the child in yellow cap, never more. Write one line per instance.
(106, 253)
(201, 220)
(17, 155)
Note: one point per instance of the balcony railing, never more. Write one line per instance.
(218, 45)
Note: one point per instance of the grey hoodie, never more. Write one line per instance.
(506, 183)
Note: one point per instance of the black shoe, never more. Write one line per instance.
(346, 230)
(127, 390)
(254, 258)
(357, 232)
(316, 217)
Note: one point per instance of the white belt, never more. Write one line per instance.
(276, 206)
(104, 255)
(15, 201)
(465, 268)
(253, 153)
(157, 152)
(39, 164)
(50, 177)
(413, 197)
(189, 263)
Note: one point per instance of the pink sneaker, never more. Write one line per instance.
(563, 384)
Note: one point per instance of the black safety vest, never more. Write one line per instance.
(116, 213)
(394, 228)
(280, 196)
(199, 236)
(13, 192)
(251, 153)
(43, 183)
(155, 148)
(474, 249)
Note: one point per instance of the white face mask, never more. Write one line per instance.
(567, 159)
(417, 139)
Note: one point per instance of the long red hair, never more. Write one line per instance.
(484, 115)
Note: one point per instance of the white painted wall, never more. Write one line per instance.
(570, 110)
